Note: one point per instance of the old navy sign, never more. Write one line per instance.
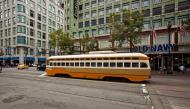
(155, 48)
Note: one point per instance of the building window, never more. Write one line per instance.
(147, 13)
(21, 29)
(93, 32)
(39, 17)
(31, 23)
(109, 10)
(31, 13)
(93, 22)
(87, 15)
(1, 24)
(43, 35)
(21, 8)
(31, 32)
(14, 20)
(157, 23)
(93, 14)
(21, 19)
(87, 23)
(87, 5)
(169, 8)
(126, 5)
(117, 8)
(81, 16)
(146, 3)
(156, 1)
(93, 3)
(21, 40)
(101, 12)
(101, 21)
(13, 11)
(184, 5)
(167, 20)
(146, 25)
(135, 5)
(1, 15)
(39, 34)
(157, 11)
(101, 31)
(80, 24)
(14, 30)
(39, 25)
(182, 18)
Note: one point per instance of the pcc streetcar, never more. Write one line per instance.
(103, 65)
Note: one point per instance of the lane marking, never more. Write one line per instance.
(43, 75)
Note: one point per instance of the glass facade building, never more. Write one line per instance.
(24, 29)
(91, 17)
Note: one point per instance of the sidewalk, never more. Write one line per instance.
(174, 73)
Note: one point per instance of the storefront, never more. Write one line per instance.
(161, 53)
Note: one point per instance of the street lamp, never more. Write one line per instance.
(169, 67)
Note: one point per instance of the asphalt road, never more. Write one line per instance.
(29, 89)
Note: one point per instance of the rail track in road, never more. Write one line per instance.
(105, 91)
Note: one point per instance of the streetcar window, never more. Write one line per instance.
(127, 58)
(143, 65)
(135, 64)
(99, 58)
(127, 64)
(93, 64)
(51, 64)
(62, 64)
(119, 64)
(119, 58)
(76, 58)
(87, 64)
(93, 58)
(82, 64)
(105, 64)
(112, 64)
(76, 64)
(135, 58)
(58, 64)
(112, 58)
(67, 64)
(99, 64)
(71, 64)
(105, 58)
(54, 64)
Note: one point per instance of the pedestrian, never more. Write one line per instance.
(182, 68)
(164, 69)
(0, 68)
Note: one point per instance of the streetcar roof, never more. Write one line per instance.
(99, 55)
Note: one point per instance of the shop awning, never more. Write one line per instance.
(42, 59)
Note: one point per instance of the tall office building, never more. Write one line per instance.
(24, 29)
(91, 17)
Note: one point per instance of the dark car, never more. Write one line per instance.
(41, 67)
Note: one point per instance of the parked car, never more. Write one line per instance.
(41, 67)
(22, 66)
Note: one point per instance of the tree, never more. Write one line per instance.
(128, 29)
(89, 43)
(133, 24)
(62, 41)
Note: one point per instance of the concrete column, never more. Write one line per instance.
(36, 56)
(21, 55)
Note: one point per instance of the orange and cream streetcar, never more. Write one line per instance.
(101, 65)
